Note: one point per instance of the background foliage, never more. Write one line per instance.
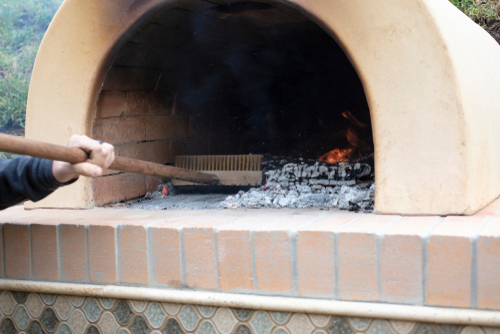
(481, 11)
(24, 22)
(22, 26)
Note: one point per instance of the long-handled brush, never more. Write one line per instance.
(73, 155)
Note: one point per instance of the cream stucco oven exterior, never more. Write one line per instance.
(431, 77)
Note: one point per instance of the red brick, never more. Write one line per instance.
(167, 127)
(44, 250)
(216, 27)
(401, 260)
(166, 254)
(316, 264)
(449, 258)
(234, 249)
(17, 251)
(290, 11)
(133, 260)
(132, 151)
(120, 130)
(132, 54)
(331, 222)
(157, 151)
(115, 188)
(358, 267)
(190, 146)
(111, 104)
(449, 273)
(102, 254)
(173, 17)
(168, 58)
(144, 103)
(290, 220)
(134, 217)
(152, 183)
(488, 274)
(273, 14)
(132, 78)
(111, 171)
(156, 34)
(272, 250)
(195, 6)
(235, 260)
(45, 217)
(315, 256)
(234, 252)
(199, 252)
(357, 256)
(273, 267)
(73, 252)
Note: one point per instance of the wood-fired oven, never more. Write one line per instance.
(327, 81)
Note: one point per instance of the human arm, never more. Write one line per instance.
(25, 178)
(101, 155)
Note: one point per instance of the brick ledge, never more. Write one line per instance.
(433, 261)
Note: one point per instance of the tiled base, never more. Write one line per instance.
(34, 313)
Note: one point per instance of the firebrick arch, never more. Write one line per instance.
(430, 76)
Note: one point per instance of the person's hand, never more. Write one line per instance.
(101, 157)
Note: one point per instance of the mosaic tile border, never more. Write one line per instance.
(33, 313)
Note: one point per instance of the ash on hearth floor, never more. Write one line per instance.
(301, 185)
(179, 202)
(352, 198)
(344, 186)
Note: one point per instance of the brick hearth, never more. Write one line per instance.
(442, 261)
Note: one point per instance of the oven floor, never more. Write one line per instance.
(181, 202)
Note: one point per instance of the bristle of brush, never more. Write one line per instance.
(219, 162)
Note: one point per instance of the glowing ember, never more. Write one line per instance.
(336, 155)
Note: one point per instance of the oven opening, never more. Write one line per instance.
(253, 91)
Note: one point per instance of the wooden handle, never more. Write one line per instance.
(151, 168)
(73, 155)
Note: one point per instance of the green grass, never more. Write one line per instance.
(481, 11)
(24, 22)
(22, 26)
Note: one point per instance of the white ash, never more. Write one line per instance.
(311, 186)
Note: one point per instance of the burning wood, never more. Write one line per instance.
(358, 147)
(337, 155)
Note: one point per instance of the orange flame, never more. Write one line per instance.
(347, 114)
(336, 155)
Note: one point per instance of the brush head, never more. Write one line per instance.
(220, 162)
(227, 170)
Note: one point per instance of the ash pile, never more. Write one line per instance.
(308, 184)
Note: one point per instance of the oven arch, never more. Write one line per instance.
(429, 73)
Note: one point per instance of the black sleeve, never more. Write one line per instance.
(25, 178)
